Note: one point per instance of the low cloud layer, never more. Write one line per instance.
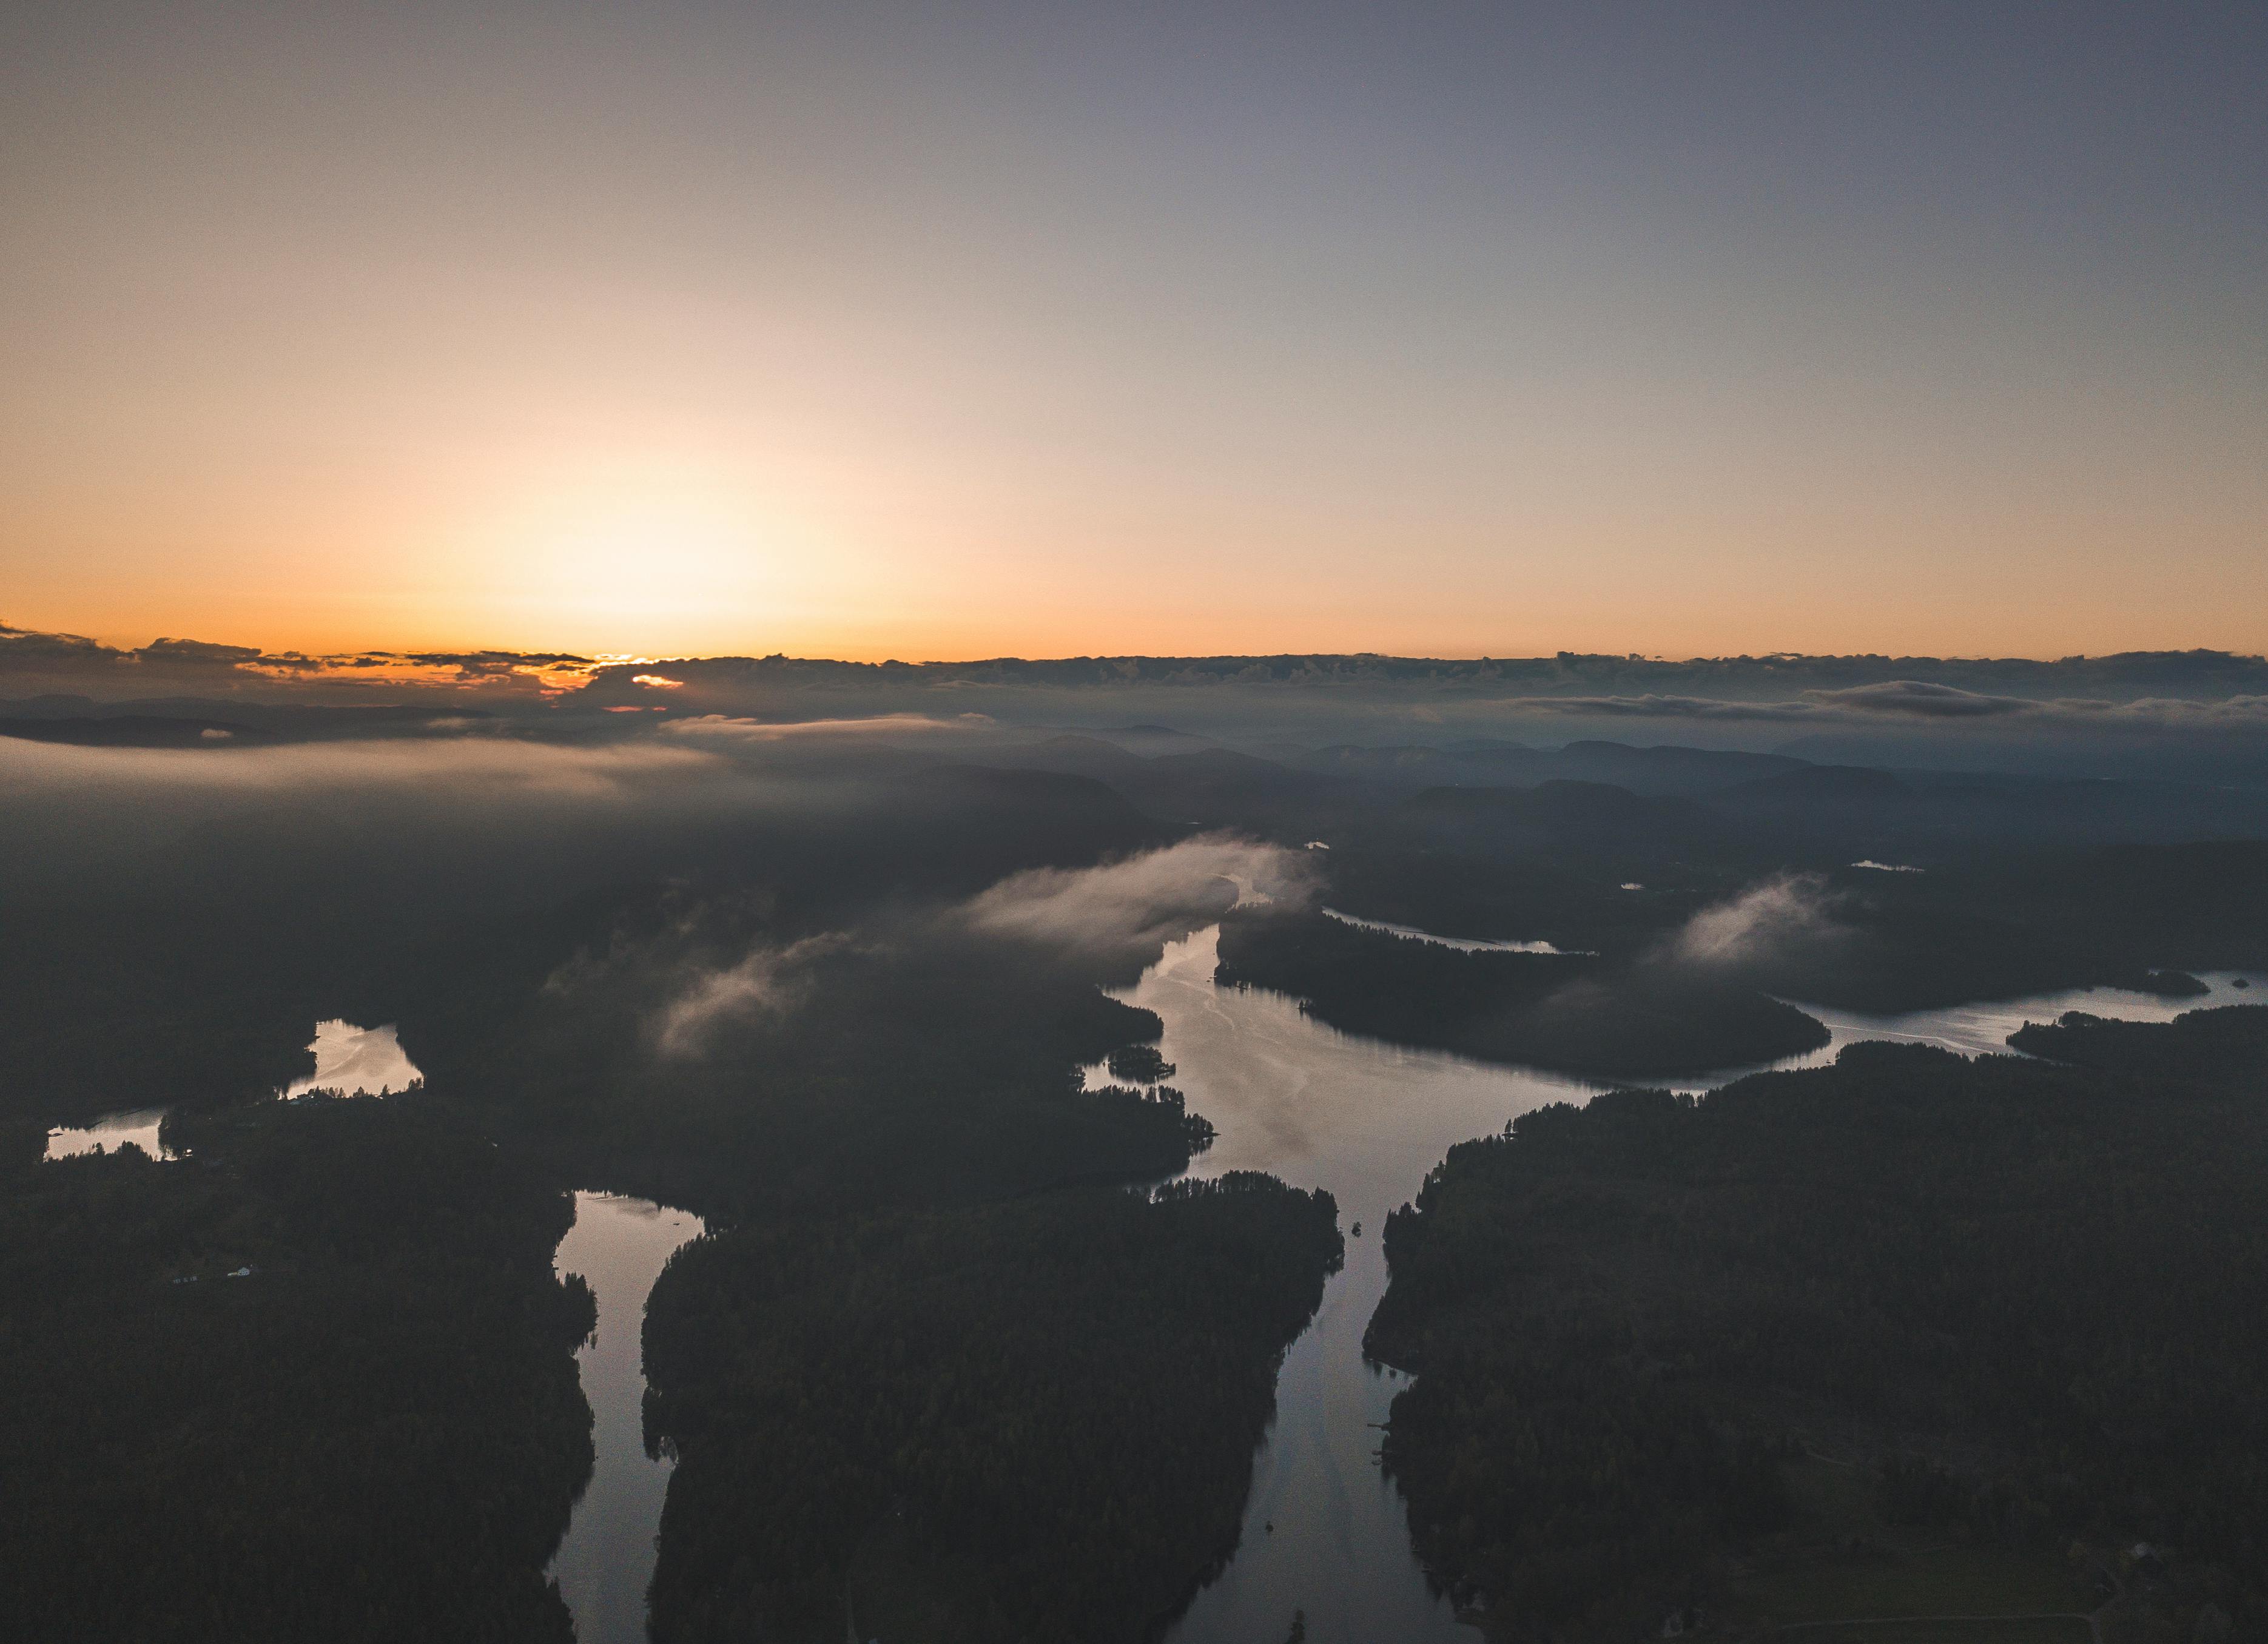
(1138, 902)
(723, 729)
(467, 766)
(1909, 701)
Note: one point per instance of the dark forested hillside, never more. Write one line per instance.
(1032, 1421)
(1575, 1012)
(914, 1065)
(1926, 890)
(2030, 1296)
(316, 1381)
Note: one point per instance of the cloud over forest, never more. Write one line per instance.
(1138, 901)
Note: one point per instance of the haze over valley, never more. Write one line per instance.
(1199, 824)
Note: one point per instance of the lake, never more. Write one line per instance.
(352, 1060)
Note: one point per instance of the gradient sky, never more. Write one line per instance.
(965, 330)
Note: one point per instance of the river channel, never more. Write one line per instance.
(1324, 1533)
(603, 1567)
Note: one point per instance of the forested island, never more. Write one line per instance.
(1030, 1421)
(2019, 1303)
(315, 1382)
(1566, 1011)
(2228, 1043)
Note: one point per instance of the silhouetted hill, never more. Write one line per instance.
(1840, 784)
(1655, 770)
(133, 731)
(1667, 769)
(1573, 820)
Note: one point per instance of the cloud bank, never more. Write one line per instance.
(728, 729)
(1908, 700)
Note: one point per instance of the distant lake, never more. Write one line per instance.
(354, 1061)
(110, 1132)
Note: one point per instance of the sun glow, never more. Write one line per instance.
(660, 558)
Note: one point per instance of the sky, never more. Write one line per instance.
(968, 331)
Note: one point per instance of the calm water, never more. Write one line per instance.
(606, 1560)
(357, 1062)
(109, 1133)
(1325, 1532)
(360, 1061)
(1984, 1030)
(1366, 1120)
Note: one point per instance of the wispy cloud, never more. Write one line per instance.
(1139, 901)
(1765, 921)
(726, 729)
(766, 984)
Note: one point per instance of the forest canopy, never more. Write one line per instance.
(1033, 1420)
(2034, 1291)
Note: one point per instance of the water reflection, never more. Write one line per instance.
(111, 1133)
(606, 1561)
(1366, 1120)
(1984, 1030)
(356, 1062)
(1324, 1531)
(349, 1059)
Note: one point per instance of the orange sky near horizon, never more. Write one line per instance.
(1042, 334)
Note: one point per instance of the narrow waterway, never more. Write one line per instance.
(603, 1566)
(1366, 1120)
(1325, 1534)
